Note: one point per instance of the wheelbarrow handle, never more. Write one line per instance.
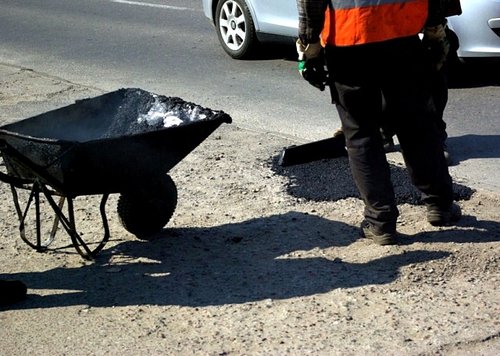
(17, 182)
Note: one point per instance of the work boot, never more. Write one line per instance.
(379, 237)
(438, 216)
(11, 291)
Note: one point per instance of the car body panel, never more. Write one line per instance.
(277, 17)
(476, 28)
(272, 17)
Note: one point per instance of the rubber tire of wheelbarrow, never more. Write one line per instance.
(145, 213)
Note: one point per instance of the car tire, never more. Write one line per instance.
(235, 28)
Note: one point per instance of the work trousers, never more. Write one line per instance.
(399, 72)
(439, 87)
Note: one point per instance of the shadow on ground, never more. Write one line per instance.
(283, 49)
(231, 264)
(474, 73)
(474, 146)
(228, 264)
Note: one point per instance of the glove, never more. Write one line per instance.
(437, 44)
(312, 64)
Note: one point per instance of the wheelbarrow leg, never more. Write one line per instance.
(78, 243)
(55, 225)
(70, 226)
(37, 216)
(34, 196)
(68, 223)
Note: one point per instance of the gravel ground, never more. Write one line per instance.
(257, 260)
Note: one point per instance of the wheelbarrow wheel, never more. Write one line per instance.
(145, 211)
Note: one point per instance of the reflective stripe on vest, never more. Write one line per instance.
(354, 22)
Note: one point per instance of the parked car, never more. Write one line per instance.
(242, 24)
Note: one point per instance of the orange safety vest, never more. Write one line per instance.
(353, 22)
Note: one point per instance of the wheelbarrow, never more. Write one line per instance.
(122, 142)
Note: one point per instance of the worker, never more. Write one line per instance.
(372, 51)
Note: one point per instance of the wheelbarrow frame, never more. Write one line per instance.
(37, 187)
(96, 165)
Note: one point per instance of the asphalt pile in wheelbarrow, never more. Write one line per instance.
(141, 111)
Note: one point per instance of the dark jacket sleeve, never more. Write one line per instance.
(311, 19)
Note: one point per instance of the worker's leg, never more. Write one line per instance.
(359, 106)
(407, 90)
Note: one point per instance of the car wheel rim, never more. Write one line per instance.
(232, 25)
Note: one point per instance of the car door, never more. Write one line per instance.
(278, 17)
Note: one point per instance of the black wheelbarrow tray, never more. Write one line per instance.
(123, 142)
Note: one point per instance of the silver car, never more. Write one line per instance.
(241, 24)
